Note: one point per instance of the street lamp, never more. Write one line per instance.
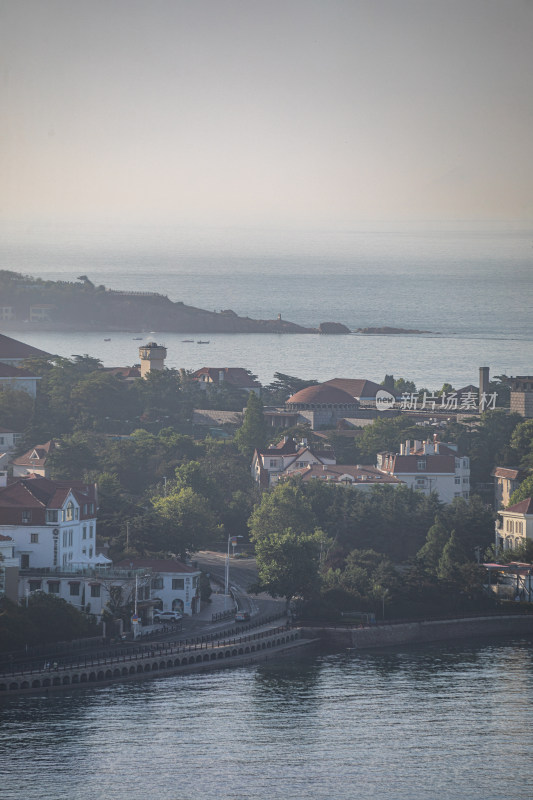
(231, 540)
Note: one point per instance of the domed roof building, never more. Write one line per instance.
(323, 404)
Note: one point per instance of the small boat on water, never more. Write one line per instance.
(107, 340)
(201, 342)
(137, 338)
(187, 340)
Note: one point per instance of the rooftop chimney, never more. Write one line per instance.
(483, 385)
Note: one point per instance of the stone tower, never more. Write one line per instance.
(152, 357)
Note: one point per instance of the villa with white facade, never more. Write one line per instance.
(429, 466)
(514, 525)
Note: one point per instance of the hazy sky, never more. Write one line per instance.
(291, 113)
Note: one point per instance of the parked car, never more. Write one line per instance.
(167, 616)
(242, 616)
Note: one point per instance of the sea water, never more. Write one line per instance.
(471, 288)
(449, 721)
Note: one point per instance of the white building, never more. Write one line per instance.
(514, 525)
(18, 379)
(174, 586)
(9, 569)
(8, 440)
(52, 523)
(283, 459)
(429, 466)
(360, 476)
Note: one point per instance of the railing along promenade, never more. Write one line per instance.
(166, 661)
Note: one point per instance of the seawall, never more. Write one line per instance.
(238, 651)
(422, 632)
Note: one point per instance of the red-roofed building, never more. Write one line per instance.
(429, 466)
(360, 476)
(235, 377)
(322, 405)
(14, 352)
(285, 457)
(359, 388)
(52, 523)
(506, 481)
(514, 525)
(33, 462)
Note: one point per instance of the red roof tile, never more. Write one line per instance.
(524, 507)
(13, 349)
(322, 394)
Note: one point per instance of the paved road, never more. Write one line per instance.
(243, 574)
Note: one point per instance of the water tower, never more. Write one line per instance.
(152, 357)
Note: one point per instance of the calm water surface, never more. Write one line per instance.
(473, 288)
(448, 721)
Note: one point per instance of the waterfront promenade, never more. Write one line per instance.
(158, 658)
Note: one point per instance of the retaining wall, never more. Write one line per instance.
(420, 632)
(236, 652)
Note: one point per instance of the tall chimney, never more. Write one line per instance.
(483, 386)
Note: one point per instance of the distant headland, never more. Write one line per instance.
(81, 305)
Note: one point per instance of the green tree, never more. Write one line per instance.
(16, 409)
(524, 491)
(288, 563)
(431, 553)
(284, 386)
(285, 506)
(522, 444)
(452, 558)
(253, 433)
(187, 523)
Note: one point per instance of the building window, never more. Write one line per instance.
(70, 511)
(95, 590)
(458, 480)
(26, 515)
(65, 538)
(84, 534)
(421, 464)
(91, 532)
(157, 583)
(70, 537)
(35, 586)
(34, 538)
(51, 516)
(74, 590)
(466, 480)
(53, 587)
(178, 583)
(24, 561)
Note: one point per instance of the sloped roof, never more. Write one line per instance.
(235, 376)
(125, 372)
(505, 472)
(356, 387)
(334, 472)
(13, 349)
(9, 371)
(323, 393)
(523, 507)
(39, 492)
(35, 456)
